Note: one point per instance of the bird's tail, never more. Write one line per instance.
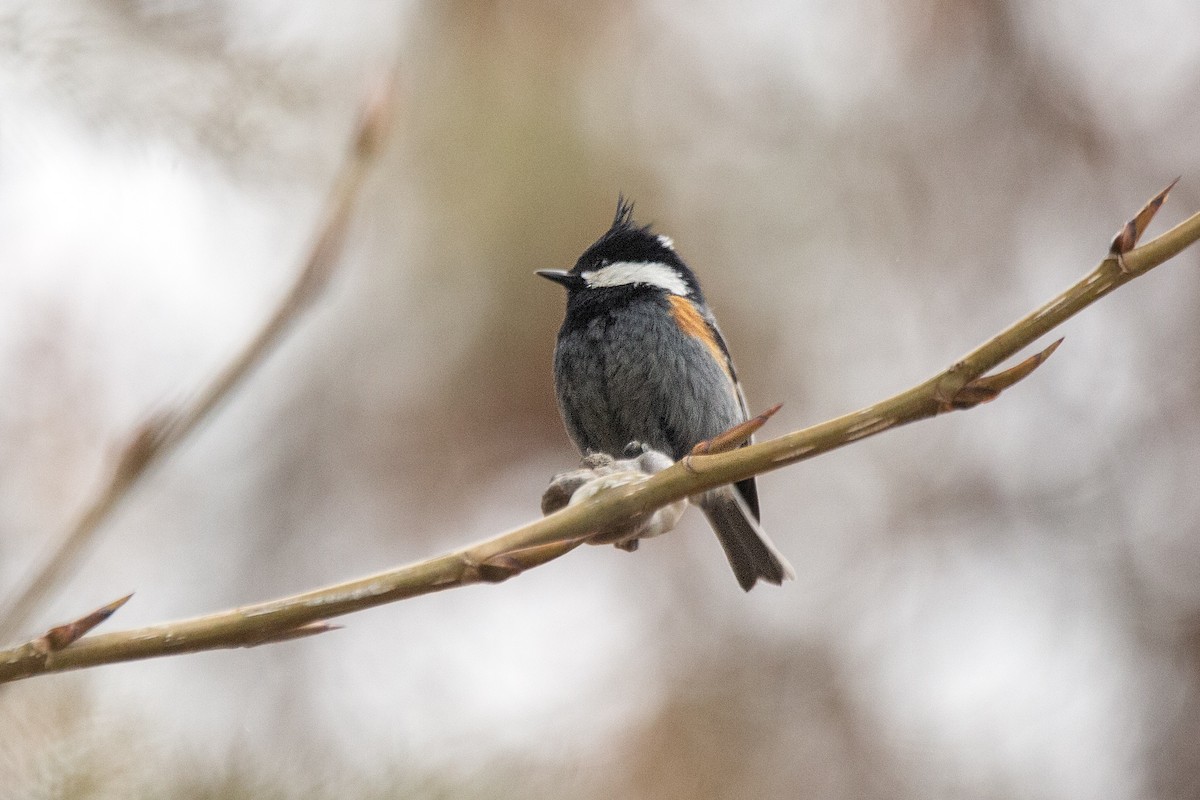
(749, 549)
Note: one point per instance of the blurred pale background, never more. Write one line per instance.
(1003, 603)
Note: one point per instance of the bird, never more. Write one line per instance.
(640, 359)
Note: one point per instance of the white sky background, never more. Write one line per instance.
(1005, 594)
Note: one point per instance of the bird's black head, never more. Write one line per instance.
(629, 255)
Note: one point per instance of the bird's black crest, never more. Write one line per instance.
(624, 216)
(623, 226)
(626, 239)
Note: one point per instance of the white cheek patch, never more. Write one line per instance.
(625, 273)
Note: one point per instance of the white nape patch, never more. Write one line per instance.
(666, 241)
(649, 273)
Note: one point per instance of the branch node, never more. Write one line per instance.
(142, 446)
(1127, 238)
(375, 118)
(989, 387)
(498, 569)
(60, 636)
(736, 436)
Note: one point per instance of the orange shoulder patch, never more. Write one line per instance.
(690, 322)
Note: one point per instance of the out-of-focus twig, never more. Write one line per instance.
(159, 436)
(962, 385)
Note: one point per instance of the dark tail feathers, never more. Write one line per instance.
(750, 551)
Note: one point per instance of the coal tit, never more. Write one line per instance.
(640, 359)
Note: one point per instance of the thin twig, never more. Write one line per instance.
(159, 436)
(496, 559)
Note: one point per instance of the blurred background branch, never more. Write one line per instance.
(165, 430)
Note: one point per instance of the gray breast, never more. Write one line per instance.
(631, 375)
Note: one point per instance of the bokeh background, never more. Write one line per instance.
(1003, 603)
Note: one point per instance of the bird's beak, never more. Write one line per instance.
(560, 276)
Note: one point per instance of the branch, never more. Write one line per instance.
(160, 435)
(963, 385)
